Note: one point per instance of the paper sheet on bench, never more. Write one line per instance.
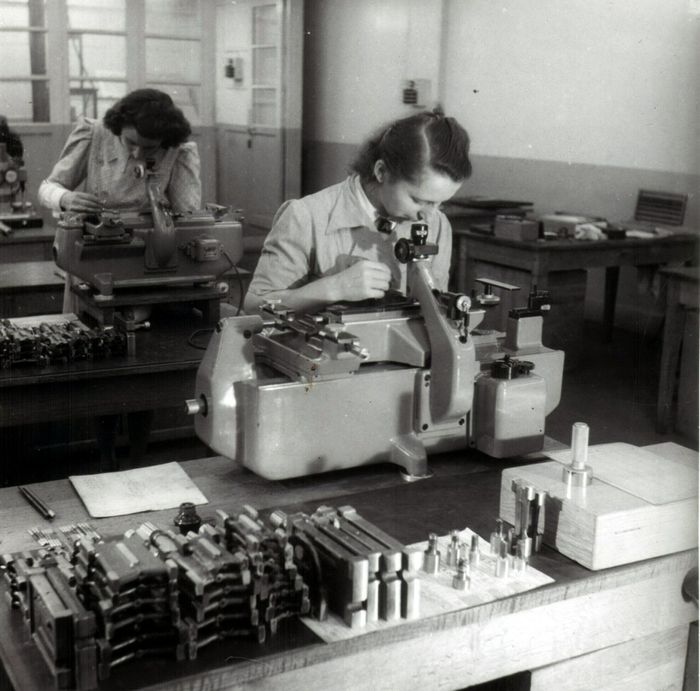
(646, 475)
(153, 488)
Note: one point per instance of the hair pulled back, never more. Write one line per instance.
(409, 145)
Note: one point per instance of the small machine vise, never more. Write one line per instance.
(290, 395)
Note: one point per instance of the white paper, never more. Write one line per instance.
(156, 487)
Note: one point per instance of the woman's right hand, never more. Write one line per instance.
(364, 279)
(80, 201)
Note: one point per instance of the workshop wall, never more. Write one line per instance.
(573, 108)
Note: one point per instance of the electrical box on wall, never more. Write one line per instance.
(416, 93)
(233, 72)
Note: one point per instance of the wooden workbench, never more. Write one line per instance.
(160, 374)
(29, 288)
(27, 244)
(626, 626)
(559, 266)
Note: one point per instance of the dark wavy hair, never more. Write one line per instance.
(11, 140)
(408, 145)
(153, 114)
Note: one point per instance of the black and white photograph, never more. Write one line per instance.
(349, 345)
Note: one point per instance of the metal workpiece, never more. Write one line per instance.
(474, 552)
(502, 562)
(461, 580)
(497, 537)
(578, 474)
(453, 549)
(431, 557)
(538, 507)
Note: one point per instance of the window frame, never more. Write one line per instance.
(57, 63)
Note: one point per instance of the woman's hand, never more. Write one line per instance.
(364, 279)
(80, 201)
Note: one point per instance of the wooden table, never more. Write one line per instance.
(626, 626)
(559, 266)
(680, 345)
(29, 288)
(27, 244)
(160, 374)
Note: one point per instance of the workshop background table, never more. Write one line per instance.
(30, 288)
(160, 376)
(625, 627)
(27, 244)
(559, 266)
(679, 356)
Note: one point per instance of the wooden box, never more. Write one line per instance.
(642, 503)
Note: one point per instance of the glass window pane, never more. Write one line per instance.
(173, 18)
(264, 65)
(172, 60)
(14, 54)
(186, 98)
(94, 56)
(92, 99)
(15, 13)
(265, 107)
(26, 101)
(96, 14)
(265, 24)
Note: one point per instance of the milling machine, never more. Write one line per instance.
(121, 259)
(357, 384)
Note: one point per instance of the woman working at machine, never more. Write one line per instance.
(97, 170)
(337, 244)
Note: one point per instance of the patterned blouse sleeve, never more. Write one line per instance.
(185, 187)
(70, 169)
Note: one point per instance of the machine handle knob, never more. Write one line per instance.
(690, 586)
(195, 406)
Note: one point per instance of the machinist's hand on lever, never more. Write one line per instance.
(364, 279)
(80, 201)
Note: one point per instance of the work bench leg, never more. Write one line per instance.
(670, 353)
(612, 278)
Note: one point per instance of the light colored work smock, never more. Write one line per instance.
(95, 160)
(327, 232)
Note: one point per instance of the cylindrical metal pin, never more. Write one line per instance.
(579, 445)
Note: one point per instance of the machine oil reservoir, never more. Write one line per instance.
(509, 409)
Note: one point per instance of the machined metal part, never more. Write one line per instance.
(461, 580)
(431, 558)
(502, 561)
(578, 474)
(453, 549)
(474, 552)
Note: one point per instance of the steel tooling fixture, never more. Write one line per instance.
(352, 567)
(408, 373)
(47, 343)
(93, 603)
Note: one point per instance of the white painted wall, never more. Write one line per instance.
(360, 53)
(604, 82)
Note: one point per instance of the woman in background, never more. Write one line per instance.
(97, 170)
